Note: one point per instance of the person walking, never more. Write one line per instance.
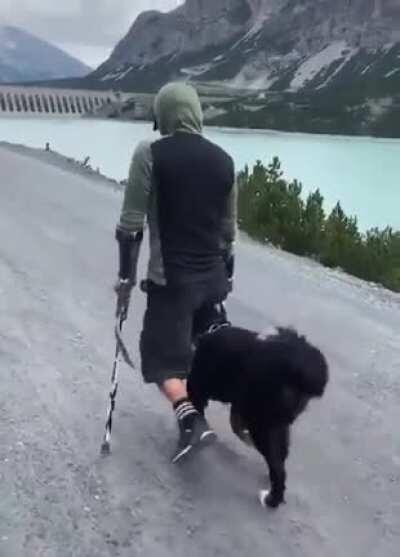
(183, 187)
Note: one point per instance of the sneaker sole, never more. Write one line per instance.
(206, 439)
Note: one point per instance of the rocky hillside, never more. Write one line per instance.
(24, 57)
(261, 44)
(346, 51)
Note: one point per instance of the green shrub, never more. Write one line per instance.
(314, 224)
(272, 209)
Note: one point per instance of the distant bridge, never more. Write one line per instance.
(71, 103)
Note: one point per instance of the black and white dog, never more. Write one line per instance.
(267, 380)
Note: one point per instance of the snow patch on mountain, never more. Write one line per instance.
(196, 71)
(351, 52)
(118, 74)
(366, 69)
(250, 78)
(312, 66)
(392, 72)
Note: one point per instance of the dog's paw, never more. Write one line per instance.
(263, 496)
(268, 499)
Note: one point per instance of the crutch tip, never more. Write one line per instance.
(105, 448)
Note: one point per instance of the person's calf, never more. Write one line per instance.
(194, 430)
(174, 390)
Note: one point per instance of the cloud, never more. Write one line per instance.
(89, 24)
(39, 8)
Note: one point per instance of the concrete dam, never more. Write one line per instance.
(67, 103)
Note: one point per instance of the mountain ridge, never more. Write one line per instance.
(25, 57)
(255, 44)
(295, 65)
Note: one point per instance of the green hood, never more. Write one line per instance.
(177, 107)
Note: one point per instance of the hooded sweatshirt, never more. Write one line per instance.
(183, 186)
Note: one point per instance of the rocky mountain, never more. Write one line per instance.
(260, 44)
(24, 57)
(341, 51)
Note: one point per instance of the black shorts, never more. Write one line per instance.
(174, 317)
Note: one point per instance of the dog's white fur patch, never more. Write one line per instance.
(262, 496)
(268, 332)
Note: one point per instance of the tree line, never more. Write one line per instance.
(273, 210)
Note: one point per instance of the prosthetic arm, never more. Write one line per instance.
(129, 248)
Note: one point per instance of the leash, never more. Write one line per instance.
(122, 346)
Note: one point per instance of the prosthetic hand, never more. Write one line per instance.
(129, 248)
(123, 288)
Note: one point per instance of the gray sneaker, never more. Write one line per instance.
(192, 439)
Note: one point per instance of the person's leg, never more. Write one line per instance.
(174, 390)
(194, 429)
(166, 356)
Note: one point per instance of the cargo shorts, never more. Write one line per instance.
(175, 317)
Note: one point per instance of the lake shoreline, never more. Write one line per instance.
(302, 135)
(234, 130)
(62, 162)
(305, 265)
(360, 173)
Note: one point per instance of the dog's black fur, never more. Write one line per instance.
(268, 381)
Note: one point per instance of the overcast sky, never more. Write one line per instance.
(88, 29)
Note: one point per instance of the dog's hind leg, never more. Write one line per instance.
(239, 427)
(273, 444)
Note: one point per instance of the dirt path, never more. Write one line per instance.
(60, 499)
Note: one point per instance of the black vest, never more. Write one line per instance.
(193, 179)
